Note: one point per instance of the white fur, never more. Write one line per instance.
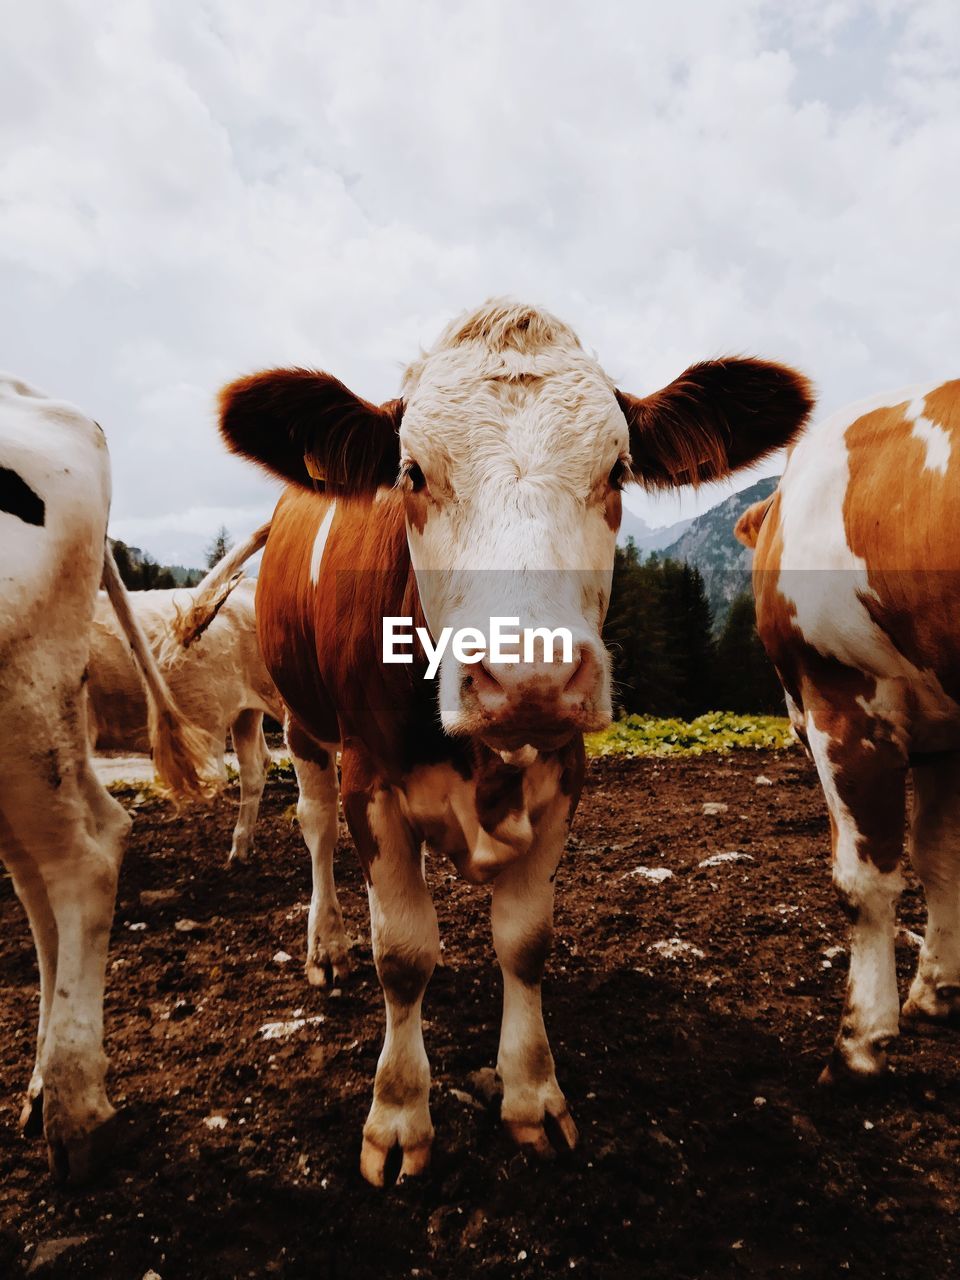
(516, 446)
(936, 442)
(222, 685)
(61, 834)
(320, 542)
(220, 676)
(403, 926)
(873, 1006)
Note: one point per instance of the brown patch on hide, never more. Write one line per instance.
(531, 955)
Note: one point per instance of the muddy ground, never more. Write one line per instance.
(707, 1148)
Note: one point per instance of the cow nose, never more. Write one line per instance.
(562, 689)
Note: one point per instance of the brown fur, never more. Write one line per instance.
(282, 416)
(903, 518)
(747, 528)
(717, 416)
(531, 956)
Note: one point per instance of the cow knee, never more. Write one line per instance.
(405, 971)
(865, 893)
(116, 832)
(87, 887)
(523, 949)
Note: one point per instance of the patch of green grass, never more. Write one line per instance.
(719, 731)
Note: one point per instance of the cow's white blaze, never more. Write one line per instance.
(516, 448)
(320, 542)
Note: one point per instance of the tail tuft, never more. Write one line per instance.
(208, 597)
(183, 757)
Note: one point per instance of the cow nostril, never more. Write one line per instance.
(583, 674)
(483, 679)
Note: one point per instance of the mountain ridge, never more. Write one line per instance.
(707, 542)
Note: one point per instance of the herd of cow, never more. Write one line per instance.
(491, 487)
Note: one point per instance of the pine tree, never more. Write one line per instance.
(643, 672)
(219, 547)
(129, 572)
(149, 573)
(689, 626)
(748, 682)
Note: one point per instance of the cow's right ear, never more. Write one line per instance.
(307, 427)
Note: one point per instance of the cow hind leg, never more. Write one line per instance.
(534, 1109)
(30, 889)
(76, 848)
(863, 774)
(935, 849)
(253, 758)
(328, 947)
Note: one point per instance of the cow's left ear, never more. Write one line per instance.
(307, 427)
(716, 417)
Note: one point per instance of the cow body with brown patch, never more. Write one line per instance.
(857, 581)
(491, 488)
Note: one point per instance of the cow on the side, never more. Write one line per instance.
(205, 638)
(62, 834)
(857, 582)
(491, 488)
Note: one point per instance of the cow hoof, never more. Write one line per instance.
(933, 1004)
(546, 1137)
(857, 1064)
(374, 1158)
(31, 1116)
(328, 968)
(77, 1160)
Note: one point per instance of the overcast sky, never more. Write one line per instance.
(193, 190)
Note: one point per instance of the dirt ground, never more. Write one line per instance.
(707, 1148)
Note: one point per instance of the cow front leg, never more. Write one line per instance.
(406, 943)
(328, 947)
(935, 849)
(863, 774)
(253, 758)
(534, 1109)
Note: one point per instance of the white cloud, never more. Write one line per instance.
(191, 191)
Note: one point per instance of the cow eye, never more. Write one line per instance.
(619, 474)
(413, 474)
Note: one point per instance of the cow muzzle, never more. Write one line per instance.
(513, 704)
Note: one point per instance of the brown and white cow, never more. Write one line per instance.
(492, 487)
(62, 834)
(206, 641)
(857, 582)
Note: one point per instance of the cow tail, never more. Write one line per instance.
(206, 599)
(183, 755)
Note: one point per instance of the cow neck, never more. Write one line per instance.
(389, 710)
